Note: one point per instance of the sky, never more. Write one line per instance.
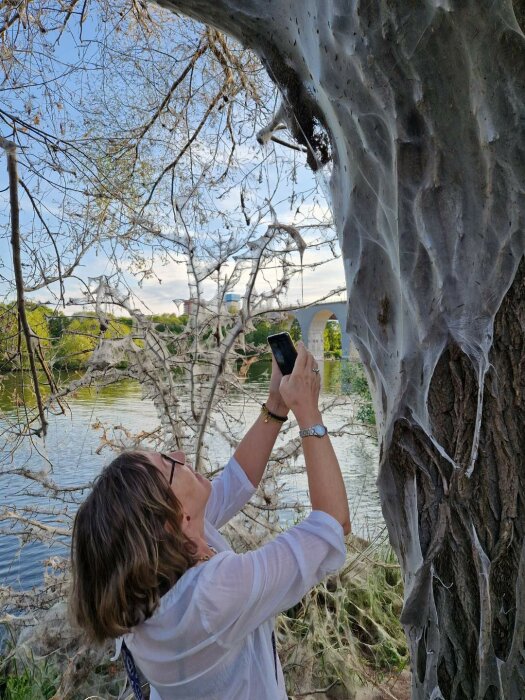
(155, 296)
(315, 284)
(164, 292)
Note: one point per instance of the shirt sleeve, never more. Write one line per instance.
(230, 491)
(245, 590)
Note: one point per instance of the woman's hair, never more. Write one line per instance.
(127, 547)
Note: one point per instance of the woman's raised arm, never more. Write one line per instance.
(300, 391)
(255, 448)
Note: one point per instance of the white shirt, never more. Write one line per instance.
(211, 636)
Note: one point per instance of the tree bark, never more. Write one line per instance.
(467, 605)
(420, 109)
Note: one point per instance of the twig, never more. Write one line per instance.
(200, 51)
(188, 144)
(34, 525)
(315, 691)
(301, 149)
(52, 238)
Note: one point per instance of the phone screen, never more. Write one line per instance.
(283, 350)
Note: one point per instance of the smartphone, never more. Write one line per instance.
(283, 350)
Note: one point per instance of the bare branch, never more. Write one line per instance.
(10, 149)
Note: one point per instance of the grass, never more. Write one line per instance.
(346, 631)
(37, 681)
(29, 686)
(65, 671)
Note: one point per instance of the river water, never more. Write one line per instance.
(73, 439)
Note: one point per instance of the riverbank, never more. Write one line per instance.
(343, 641)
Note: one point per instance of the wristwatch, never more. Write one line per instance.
(316, 430)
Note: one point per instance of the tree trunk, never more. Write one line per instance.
(420, 109)
(465, 616)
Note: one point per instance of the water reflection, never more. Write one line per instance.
(72, 442)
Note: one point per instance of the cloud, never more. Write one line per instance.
(159, 297)
(152, 296)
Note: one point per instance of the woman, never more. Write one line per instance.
(151, 568)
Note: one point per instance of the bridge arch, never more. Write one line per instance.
(312, 321)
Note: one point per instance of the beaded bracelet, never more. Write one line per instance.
(268, 414)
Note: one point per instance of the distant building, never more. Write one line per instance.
(229, 304)
(188, 306)
(231, 301)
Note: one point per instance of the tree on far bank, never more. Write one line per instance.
(171, 322)
(13, 346)
(264, 327)
(295, 331)
(332, 338)
(74, 348)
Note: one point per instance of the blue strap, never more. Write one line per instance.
(132, 672)
(275, 656)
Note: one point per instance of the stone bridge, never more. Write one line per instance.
(312, 321)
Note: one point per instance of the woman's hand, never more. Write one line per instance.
(300, 389)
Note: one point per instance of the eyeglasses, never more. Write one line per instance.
(173, 462)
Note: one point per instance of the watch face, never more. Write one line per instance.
(320, 430)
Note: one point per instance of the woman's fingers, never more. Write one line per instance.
(275, 367)
(284, 382)
(305, 361)
(276, 377)
(300, 389)
(302, 357)
(310, 363)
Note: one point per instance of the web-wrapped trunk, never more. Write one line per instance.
(420, 108)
